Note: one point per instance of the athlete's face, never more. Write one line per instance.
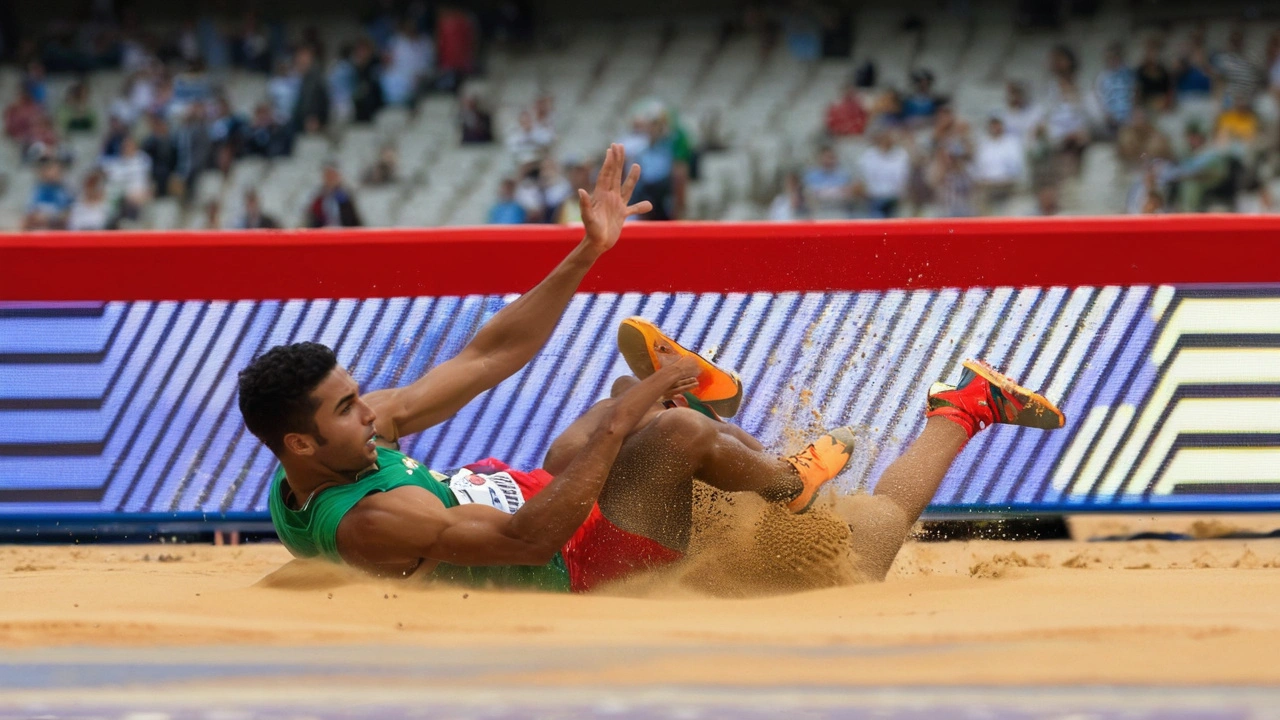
(345, 423)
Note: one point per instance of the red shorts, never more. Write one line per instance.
(599, 551)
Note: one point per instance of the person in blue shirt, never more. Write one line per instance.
(507, 211)
(50, 202)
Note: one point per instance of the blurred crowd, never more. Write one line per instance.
(920, 155)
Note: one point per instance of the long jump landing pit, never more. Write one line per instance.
(1161, 350)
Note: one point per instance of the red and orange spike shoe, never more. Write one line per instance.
(646, 348)
(819, 464)
(986, 397)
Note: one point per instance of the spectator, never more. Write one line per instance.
(1273, 63)
(1238, 123)
(953, 186)
(1065, 119)
(212, 215)
(846, 116)
(999, 164)
(22, 117)
(789, 204)
(76, 115)
(45, 143)
(828, 187)
(195, 150)
(666, 171)
(530, 142)
(506, 211)
(91, 211)
(1193, 73)
(162, 147)
(556, 190)
(1116, 87)
(251, 49)
(1240, 76)
(456, 30)
(886, 111)
(117, 129)
(50, 200)
(1155, 84)
(529, 195)
(1019, 118)
(544, 115)
(266, 137)
(366, 92)
(33, 81)
(579, 177)
(310, 112)
(409, 61)
(921, 103)
(342, 87)
(253, 217)
(476, 121)
(1134, 139)
(282, 90)
(384, 170)
(227, 128)
(128, 180)
(883, 172)
(1203, 175)
(333, 205)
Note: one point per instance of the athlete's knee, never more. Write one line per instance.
(622, 384)
(683, 426)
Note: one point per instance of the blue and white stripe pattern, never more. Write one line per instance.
(130, 407)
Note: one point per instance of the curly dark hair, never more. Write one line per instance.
(275, 391)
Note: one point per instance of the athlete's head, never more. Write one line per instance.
(299, 402)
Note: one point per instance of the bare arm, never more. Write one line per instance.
(397, 528)
(517, 332)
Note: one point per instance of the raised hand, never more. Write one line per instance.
(606, 209)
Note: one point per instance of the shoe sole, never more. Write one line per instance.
(718, 389)
(1028, 398)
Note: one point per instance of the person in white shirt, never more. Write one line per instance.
(883, 172)
(789, 205)
(129, 178)
(530, 142)
(91, 211)
(410, 59)
(999, 163)
(1020, 117)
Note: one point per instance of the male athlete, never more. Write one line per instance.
(615, 494)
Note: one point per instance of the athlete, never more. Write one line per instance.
(615, 494)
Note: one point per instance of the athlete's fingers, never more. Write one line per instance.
(640, 208)
(629, 186)
(602, 178)
(609, 175)
(584, 201)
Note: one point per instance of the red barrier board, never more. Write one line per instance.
(651, 257)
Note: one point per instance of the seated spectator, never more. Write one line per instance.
(999, 164)
(1134, 139)
(162, 147)
(556, 190)
(1155, 83)
(883, 172)
(91, 211)
(117, 130)
(333, 205)
(282, 91)
(828, 187)
(1203, 175)
(666, 172)
(1240, 76)
(506, 211)
(457, 34)
(128, 180)
(22, 117)
(544, 115)
(76, 115)
(251, 48)
(195, 150)
(476, 121)
(1019, 117)
(366, 89)
(1193, 75)
(410, 60)
(887, 110)
(846, 116)
(342, 87)
(789, 204)
(253, 217)
(1117, 88)
(384, 170)
(529, 142)
(1236, 124)
(1066, 119)
(528, 193)
(50, 201)
(952, 184)
(266, 137)
(44, 142)
(227, 127)
(579, 177)
(921, 103)
(191, 87)
(310, 112)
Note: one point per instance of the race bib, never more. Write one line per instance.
(497, 490)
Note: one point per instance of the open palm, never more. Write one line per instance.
(606, 209)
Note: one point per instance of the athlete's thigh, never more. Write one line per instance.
(650, 489)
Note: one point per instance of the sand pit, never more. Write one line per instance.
(981, 612)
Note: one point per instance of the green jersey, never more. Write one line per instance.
(312, 531)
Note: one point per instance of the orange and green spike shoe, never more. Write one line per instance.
(985, 397)
(819, 464)
(646, 348)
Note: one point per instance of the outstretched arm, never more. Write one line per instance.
(394, 530)
(517, 332)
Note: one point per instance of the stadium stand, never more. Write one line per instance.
(718, 109)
